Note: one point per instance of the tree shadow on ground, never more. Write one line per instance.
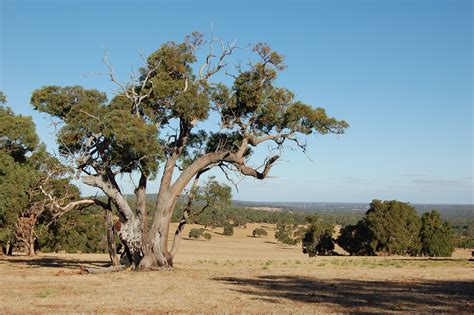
(430, 259)
(361, 296)
(55, 262)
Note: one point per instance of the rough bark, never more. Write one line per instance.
(140, 192)
(112, 249)
(128, 228)
(25, 232)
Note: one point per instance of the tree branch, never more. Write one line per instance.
(248, 171)
(186, 213)
(113, 193)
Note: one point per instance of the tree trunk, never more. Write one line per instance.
(111, 238)
(31, 241)
(25, 232)
(30, 248)
(147, 249)
(159, 256)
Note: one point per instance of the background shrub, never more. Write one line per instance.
(196, 233)
(228, 229)
(259, 232)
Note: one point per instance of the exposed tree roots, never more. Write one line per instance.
(103, 270)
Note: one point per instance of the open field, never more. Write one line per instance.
(240, 274)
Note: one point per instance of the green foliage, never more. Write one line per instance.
(18, 139)
(317, 239)
(464, 242)
(259, 232)
(395, 227)
(196, 233)
(25, 165)
(464, 232)
(207, 236)
(436, 236)
(3, 98)
(210, 202)
(357, 239)
(214, 194)
(271, 108)
(18, 135)
(77, 231)
(128, 135)
(212, 217)
(238, 216)
(173, 62)
(128, 141)
(228, 229)
(15, 181)
(287, 233)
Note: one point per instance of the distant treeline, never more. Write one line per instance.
(447, 211)
(84, 230)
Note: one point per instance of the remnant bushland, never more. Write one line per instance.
(240, 273)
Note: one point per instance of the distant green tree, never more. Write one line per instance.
(389, 227)
(317, 239)
(239, 219)
(287, 233)
(357, 239)
(212, 218)
(436, 236)
(209, 202)
(464, 232)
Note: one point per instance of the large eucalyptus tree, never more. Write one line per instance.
(151, 128)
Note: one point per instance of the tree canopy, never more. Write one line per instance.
(34, 188)
(17, 142)
(436, 236)
(393, 227)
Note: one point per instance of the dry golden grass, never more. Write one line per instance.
(239, 274)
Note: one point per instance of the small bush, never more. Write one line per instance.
(207, 236)
(228, 229)
(196, 233)
(259, 232)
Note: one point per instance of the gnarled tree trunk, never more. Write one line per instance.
(25, 232)
(109, 222)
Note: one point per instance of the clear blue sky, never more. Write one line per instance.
(400, 72)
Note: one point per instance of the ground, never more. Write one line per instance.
(240, 274)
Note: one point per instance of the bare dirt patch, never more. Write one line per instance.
(240, 274)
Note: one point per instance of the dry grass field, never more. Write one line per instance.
(240, 274)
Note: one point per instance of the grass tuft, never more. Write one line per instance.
(44, 293)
